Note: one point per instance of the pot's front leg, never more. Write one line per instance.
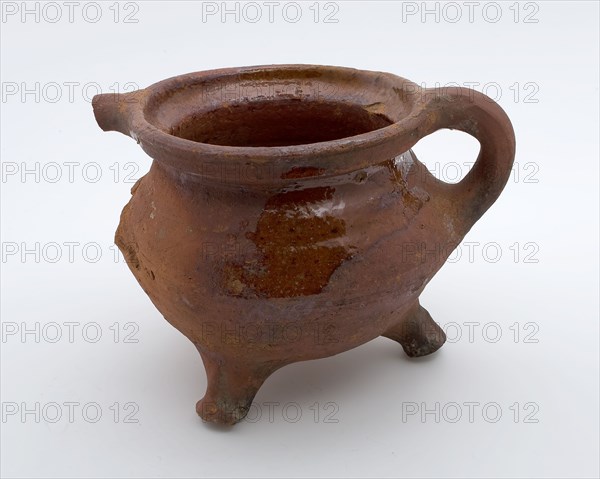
(417, 332)
(232, 385)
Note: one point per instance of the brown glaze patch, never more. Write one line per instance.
(291, 200)
(295, 259)
(302, 172)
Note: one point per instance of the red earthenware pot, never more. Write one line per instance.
(284, 217)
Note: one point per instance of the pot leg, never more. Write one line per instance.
(231, 388)
(417, 332)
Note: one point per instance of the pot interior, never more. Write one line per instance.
(278, 106)
(279, 123)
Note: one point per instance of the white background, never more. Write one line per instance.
(544, 286)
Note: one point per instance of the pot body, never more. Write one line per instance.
(288, 275)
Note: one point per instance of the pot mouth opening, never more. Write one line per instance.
(329, 119)
(277, 123)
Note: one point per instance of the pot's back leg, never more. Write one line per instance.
(232, 385)
(417, 332)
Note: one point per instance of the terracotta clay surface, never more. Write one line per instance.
(285, 218)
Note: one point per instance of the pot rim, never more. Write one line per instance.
(332, 157)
